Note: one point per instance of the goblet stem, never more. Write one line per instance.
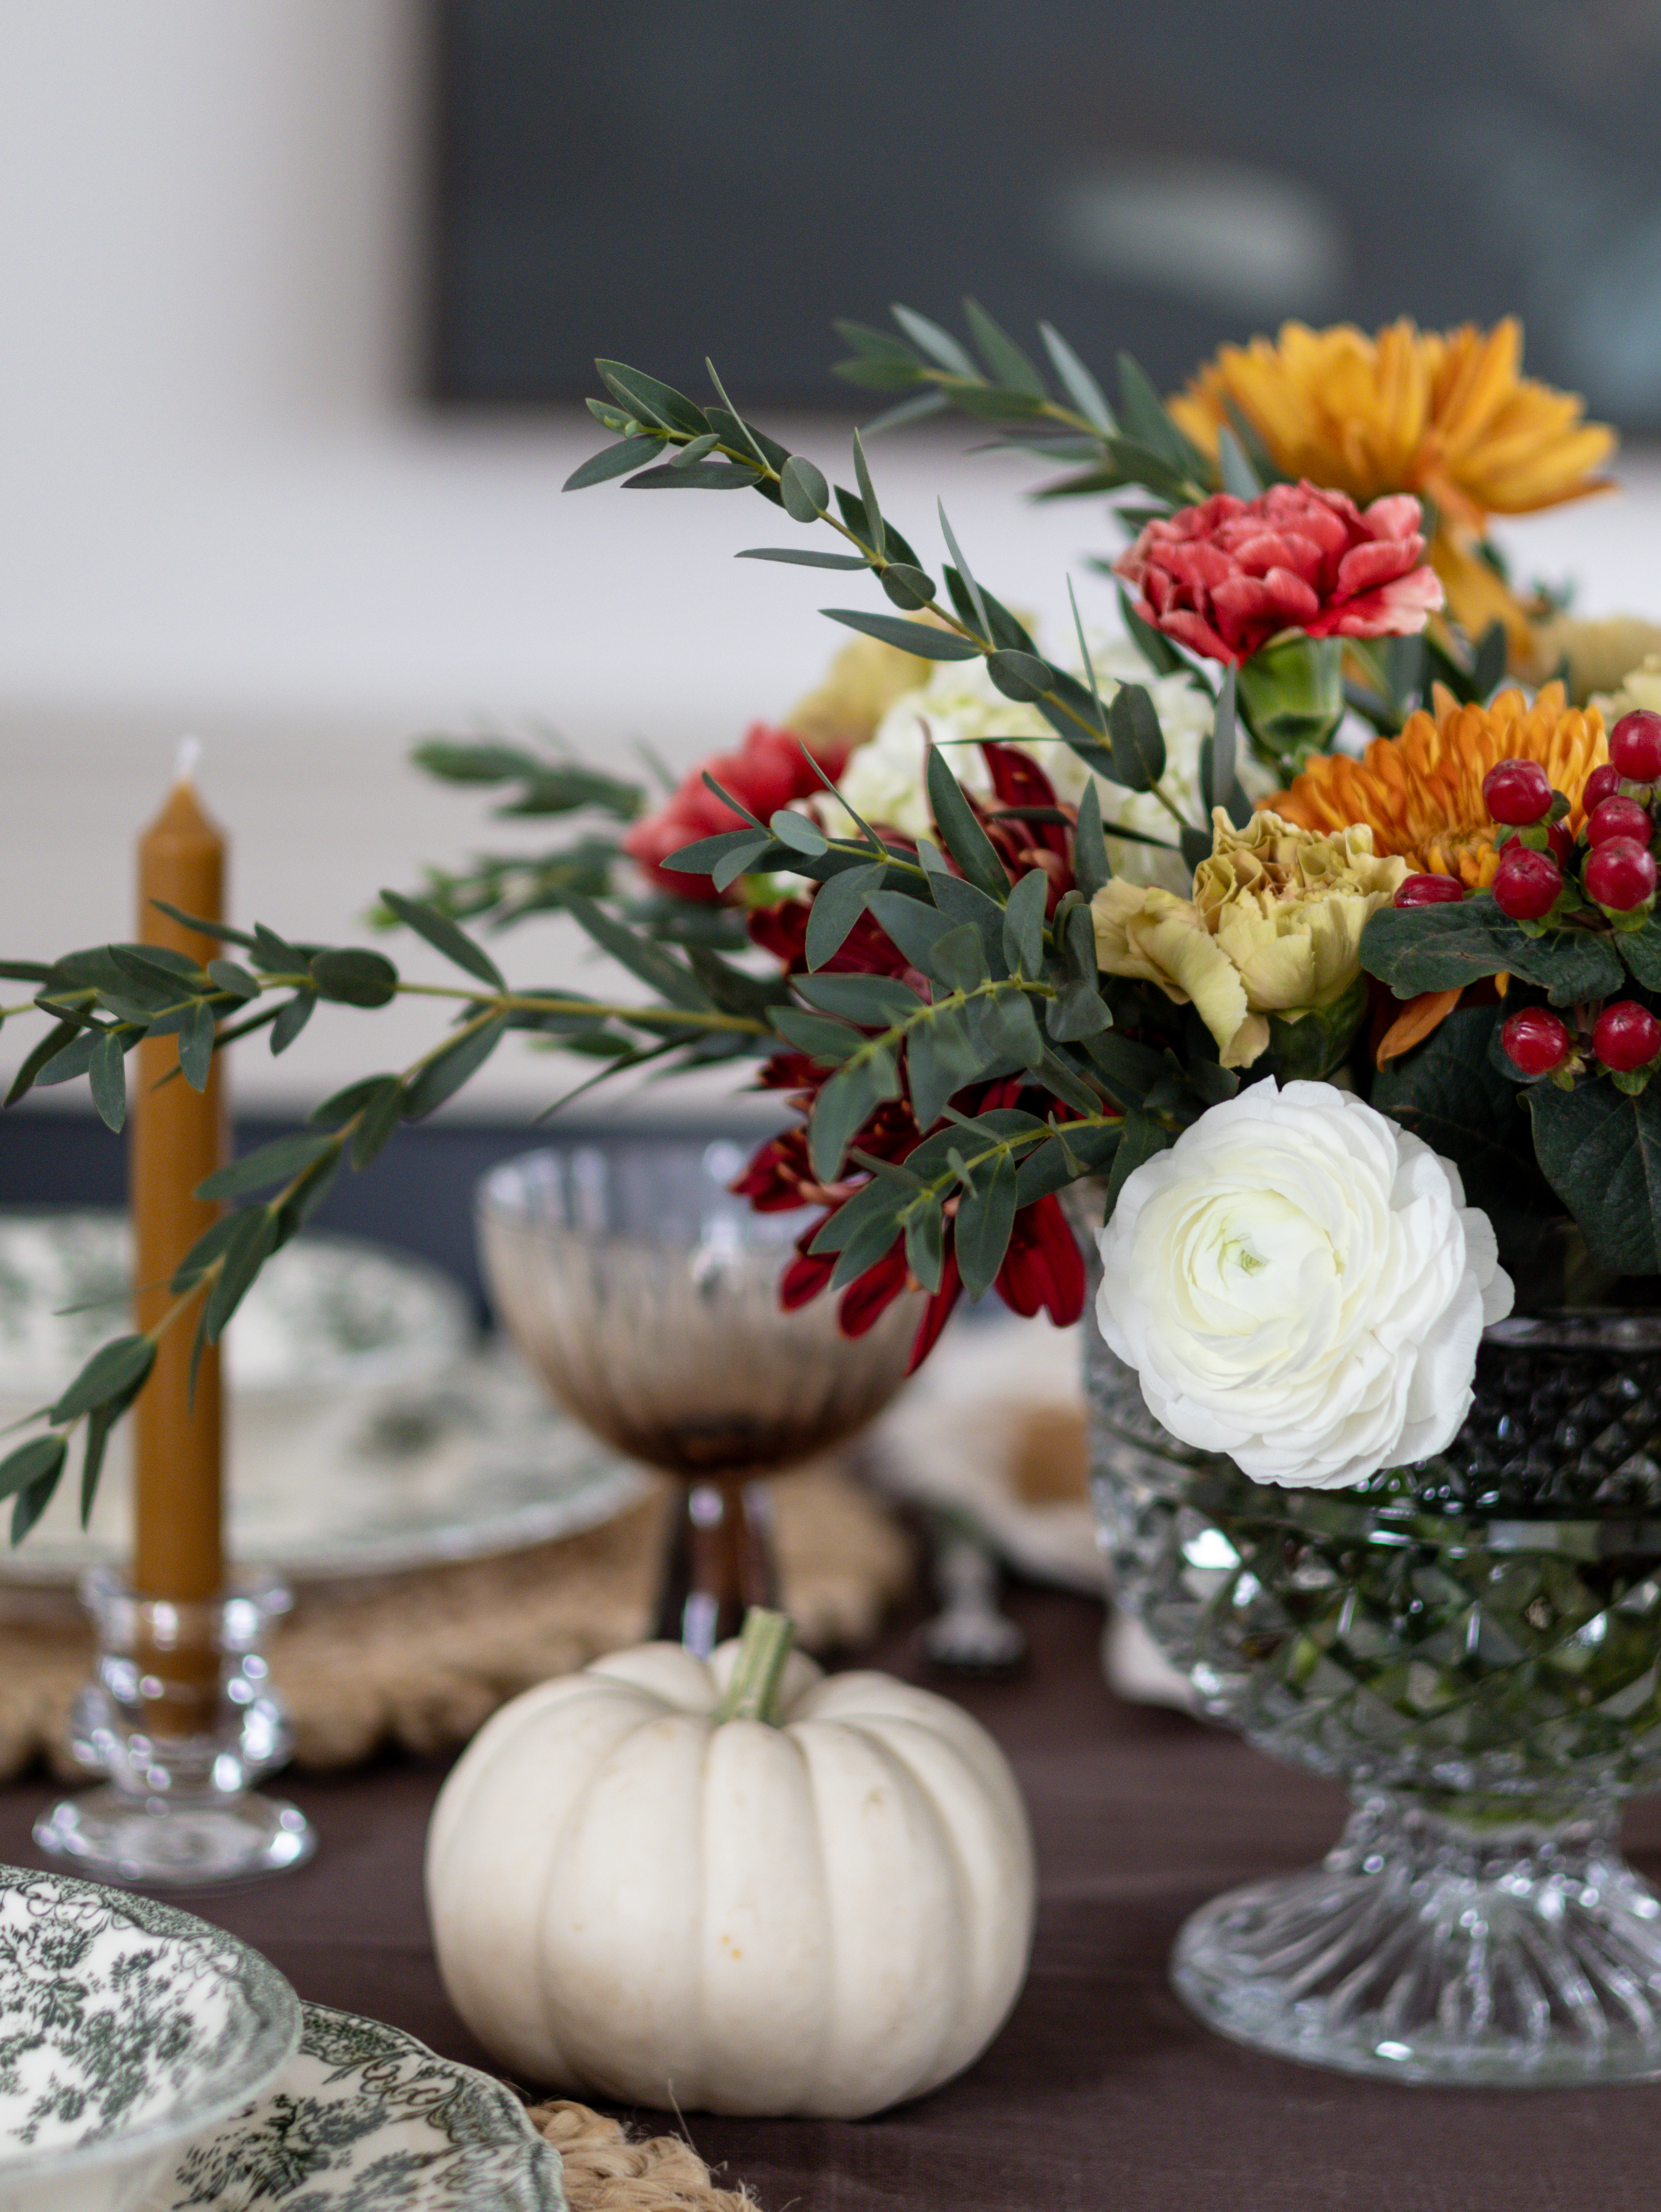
(720, 1562)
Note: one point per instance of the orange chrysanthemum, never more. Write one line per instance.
(1446, 415)
(1421, 794)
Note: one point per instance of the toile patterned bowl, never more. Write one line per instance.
(127, 2030)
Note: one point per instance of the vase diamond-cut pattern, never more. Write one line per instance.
(1472, 1645)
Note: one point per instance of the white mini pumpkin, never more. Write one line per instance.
(634, 1895)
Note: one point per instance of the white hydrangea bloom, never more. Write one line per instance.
(960, 706)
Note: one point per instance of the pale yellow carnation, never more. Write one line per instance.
(862, 683)
(1639, 687)
(1598, 653)
(1273, 928)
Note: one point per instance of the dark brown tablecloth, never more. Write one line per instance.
(1101, 2094)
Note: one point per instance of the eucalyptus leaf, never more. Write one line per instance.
(231, 975)
(961, 831)
(695, 451)
(106, 1073)
(983, 621)
(454, 1065)
(1234, 470)
(908, 586)
(845, 1102)
(196, 1039)
(1091, 865)
(69, 1061)
(650, 401)
(837, 905)
(31, 1463)
(291, 1018)
(375, 1129)
(1080, 384)
(942, 1054)
(354, 976)
(868, 496)
(1020, 676)
(986, 1216)
(803, 556)
(817, 1035)
(202, 1255)
(1141, 1140)
(957, 959)
(283, 1158)
(1138, 743)
(115, 1371)
(805, 494)
(649, 961)
(877, 1000)
(702, 476)
(920, 638)
(1023, 923)
(796, 831)
(1009, 367)
(244, 1257)
(939, 344)
(343, 1106)
(1145, 417)
(925, 1243)
(614, 461)
(447, 937)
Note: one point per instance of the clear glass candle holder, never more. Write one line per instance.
(181, 1717)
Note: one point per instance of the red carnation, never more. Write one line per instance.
(1225, 577)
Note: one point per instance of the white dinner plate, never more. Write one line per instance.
(367, 2119)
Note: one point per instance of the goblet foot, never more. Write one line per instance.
(719, 1563)
(165, 1844)
(1442, 1943)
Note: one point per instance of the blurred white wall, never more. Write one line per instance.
(224, 508)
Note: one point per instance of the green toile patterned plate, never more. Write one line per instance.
(366, 2119)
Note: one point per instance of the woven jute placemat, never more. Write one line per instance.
(421, 1660)
(607, 2169)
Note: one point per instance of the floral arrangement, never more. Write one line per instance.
(1338, 1027)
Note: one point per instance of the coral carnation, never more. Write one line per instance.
(1225, 577)
(1445, 414)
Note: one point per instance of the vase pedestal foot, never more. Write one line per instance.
(1443, 1943)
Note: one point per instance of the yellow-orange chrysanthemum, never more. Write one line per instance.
(1421, 794)
(1446, 415)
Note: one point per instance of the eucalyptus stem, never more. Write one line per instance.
(752, 1692)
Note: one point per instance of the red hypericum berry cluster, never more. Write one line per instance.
(1429, 891)
(1626, 1036)
(1536, 1040)
(1635, 748)
(1527, 885)
(1620, 875)
(1618, 818)
(1517, 791)
(1603, 783)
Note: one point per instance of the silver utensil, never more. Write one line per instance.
(970, 1635)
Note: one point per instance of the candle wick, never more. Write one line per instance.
(189, 759)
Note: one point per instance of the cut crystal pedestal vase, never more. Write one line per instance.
(1473, 1645)
(645, 1295)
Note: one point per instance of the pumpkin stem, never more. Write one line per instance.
(764, 1642)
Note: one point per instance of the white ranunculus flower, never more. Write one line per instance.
(1299, 1283)
(960, 705)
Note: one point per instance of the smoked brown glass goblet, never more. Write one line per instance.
(645, 1294)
